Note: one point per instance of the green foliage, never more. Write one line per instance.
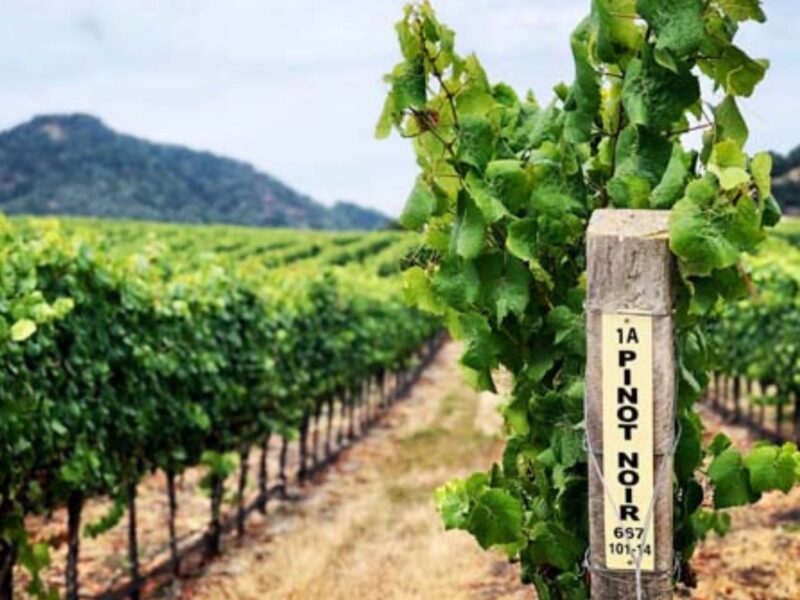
(756, 337)
(75, 165)
(509, 186)
(108, 520)
(146, 349)
(741, 479)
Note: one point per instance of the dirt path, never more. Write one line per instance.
(371, 530)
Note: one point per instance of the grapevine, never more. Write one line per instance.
(505, 191)
(756, 338)
(120, 361)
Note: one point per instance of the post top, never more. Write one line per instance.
(629, 223)
(629, 263)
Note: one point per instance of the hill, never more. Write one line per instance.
(76, 165)
(786, 182)
(358, 217)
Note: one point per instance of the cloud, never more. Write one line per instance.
(294, 86)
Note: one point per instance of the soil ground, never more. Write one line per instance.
(367, 527)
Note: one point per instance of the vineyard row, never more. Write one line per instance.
(118, 364)
(756, 351)
(331, 428)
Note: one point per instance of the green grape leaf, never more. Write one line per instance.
(722, 523)
(551, 544)
(566, 324)
(728, 154)
(543, 125)
(729, 122)
(745, 226)
(512, 292)
(772, 212)
(728, 163)
(469, 230)
(384, 126)
(720, 443)
(673, 184)
(568, 446)
(743, 10)
(678, 24)
(584, 98)
(642, 159)
(656, 97)
(475, 141)
(617, 31)
(521, 240)
(491, 207)
(698, 235)
(481, 352)
(730, 480)
(457, 282)
(452, 500)
(509, 181)
(732, 177)
(496, 519)
(418, 290)
(505, 95)
(409, 85)
(419, 206)
(705, 521)
(761, 168)
(62, 307)
(557, 222)
(515, 414)
(735, 71)
(475, 100)
(689, 453)
(772, 468)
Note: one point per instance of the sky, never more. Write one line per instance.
(295, 86)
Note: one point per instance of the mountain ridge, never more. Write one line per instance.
(74, 164)
(786, 180)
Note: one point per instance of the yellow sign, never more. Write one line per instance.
(628, 461)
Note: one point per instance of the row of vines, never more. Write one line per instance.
(116, 364)
(756, 343)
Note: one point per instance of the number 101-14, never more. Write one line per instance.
(625, 549)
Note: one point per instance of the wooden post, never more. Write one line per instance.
(630, 403)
